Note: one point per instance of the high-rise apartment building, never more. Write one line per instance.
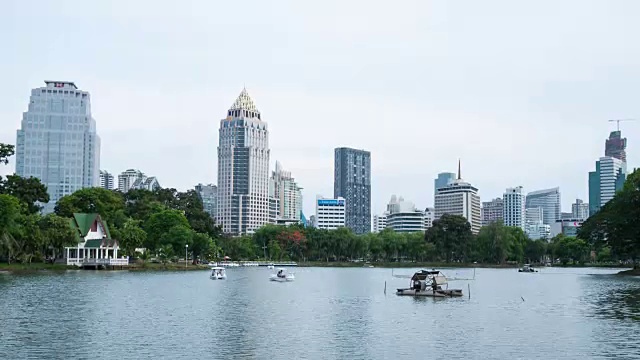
(580, 210)
(549, 201)
(330, 213)
(608, 179)
(352, 181)
(514, 207)
(615, 146)
(492, 211)
(459, 198)
(243, 169)
(57, 141)
(287, 191)
(209, 196)
(443, 180)
(106, 180)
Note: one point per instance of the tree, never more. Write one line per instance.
(58, 233)
(159, 224)
(201, 243)
(451, 235)
(29, 191)
(132, 236)
(616, 224)
(177, 237)
(28, 238)
(6, 151)
(568, 248)
(105, 202)
(9, 212)
(535, 250)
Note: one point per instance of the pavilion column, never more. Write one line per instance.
(115, 253)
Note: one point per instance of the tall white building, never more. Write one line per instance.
(243, 169)
(534, 215)
(57, 141)
(549, 201)
(580, 210)
(379, 222)
(459, 198)
(538, 231)
(514, 207)
(330, 213)
(106, 180)
(288, 193)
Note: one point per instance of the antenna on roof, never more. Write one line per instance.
(459, 172)
(618, 122)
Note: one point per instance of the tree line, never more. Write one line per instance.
(162, 221)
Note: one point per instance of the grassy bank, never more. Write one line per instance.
(33, 267)
(165, 267)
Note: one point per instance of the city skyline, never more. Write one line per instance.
(549, 101)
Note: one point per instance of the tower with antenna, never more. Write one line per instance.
(615, 146)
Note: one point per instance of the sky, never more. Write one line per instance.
(520, 91)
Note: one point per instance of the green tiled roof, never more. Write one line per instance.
(94, 243)
(83, 222)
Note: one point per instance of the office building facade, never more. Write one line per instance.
(330, 213)
(57, 141)
(459, 198)
(209, 196)
(243, 169)
(549, 201)
(443, 180)
(492, 211)
(288, 193)
(615, 146)
(352, 181)
(608, 179)
(580, 210)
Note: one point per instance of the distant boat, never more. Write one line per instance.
(527, 268)
(282, 276)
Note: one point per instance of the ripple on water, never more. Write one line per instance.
(324, 314)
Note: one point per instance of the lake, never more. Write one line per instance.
(327, 313)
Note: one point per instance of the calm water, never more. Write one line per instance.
(325, 314)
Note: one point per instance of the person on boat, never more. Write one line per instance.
(280, 274)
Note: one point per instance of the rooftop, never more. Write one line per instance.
(244, 102)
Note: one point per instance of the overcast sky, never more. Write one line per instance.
(519, 90)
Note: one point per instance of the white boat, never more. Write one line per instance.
(429, 284)
(527, 268)
(270, 266)
(218, 273)
(282, 276)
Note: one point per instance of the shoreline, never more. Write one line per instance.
(18, 268)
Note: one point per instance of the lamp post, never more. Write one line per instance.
(186, 247)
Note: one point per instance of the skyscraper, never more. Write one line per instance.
(514, 208)
(352, 181)
(549, 201)
(330, 213)
(106, 180)
(443, 180)
(459, 198)
(615, 146)
(608, 179)
(243, 168)
(287, 191)
(57, 141)
(209, 196)
(492, 211)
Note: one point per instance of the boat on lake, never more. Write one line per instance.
(430, 284)
(527, 268)
(282, 276)
(218, 273)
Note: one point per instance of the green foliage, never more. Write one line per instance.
(201, 246)
(105, 202)
(28, 190)
(569, 249)
(9, 213)
(6, 151)
(58, 233)
(177, 237)
(159, 225)
(616, 224)
(451, 236)
(131, 236)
